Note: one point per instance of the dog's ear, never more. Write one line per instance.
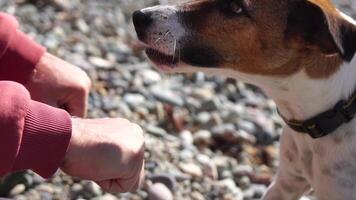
(323, 27)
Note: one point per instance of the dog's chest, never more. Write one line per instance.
(329, 164)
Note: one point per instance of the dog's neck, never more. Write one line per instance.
(301, 97)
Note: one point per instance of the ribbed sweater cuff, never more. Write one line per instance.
(45, 139)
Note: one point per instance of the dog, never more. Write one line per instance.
(301, 53)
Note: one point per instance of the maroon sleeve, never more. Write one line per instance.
(19, 54)
(33, 135)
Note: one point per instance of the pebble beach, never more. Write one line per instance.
(207, 138)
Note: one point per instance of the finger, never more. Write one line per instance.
(139, 180)
(120, 185)
(77, 106)
(116, 186)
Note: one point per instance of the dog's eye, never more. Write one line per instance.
(236, 8)
(233, 8)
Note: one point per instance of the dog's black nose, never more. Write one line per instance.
(141, 19)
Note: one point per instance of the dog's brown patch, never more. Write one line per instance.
(256, 43)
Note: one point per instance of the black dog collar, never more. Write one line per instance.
(325, 123)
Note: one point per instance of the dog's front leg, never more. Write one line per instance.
(289, 184)
(284, 188)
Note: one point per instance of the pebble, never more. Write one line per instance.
(230, 185)
(191, 169)
(157, 131)
(202, 137)
(167, 96)
(149, 77)
(106, 197)
(186, 137)
(209, 167)
(159, 191)
(168, 180)
(92, 188)
(134, 100)
(205, 135)
(18, 189)
(100, 62)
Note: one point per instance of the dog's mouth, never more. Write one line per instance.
(162, 59)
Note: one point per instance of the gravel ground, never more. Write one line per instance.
(206, 137)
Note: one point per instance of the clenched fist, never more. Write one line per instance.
(107, 151)
(58, 83)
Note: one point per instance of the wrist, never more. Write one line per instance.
(73, 142)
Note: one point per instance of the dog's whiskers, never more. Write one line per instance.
(178, 56)
(162, 37)
(174, 50)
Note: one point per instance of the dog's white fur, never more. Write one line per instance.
(305, 163)
(315, 161)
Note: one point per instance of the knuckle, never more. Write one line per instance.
(137, 155)
(84, 85)
(123, 120)
(126, 121)
(88, 83)
(135, 187)
(137, 129)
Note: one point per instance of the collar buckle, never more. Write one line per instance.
(314, 131)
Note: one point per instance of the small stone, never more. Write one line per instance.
(82, 26)
(18, 189)
(197, 196)
(259, 190)
(134, 100)
(186, 155)
(76, 188)
(45, 188)
(210, 105)
(101, 63)
(149, 76)
(230, 185)
(244, 182)
(46, 196)
(202, 137)
(187, 137)
(203, 117)
(92, 188)
(191, 169)
(106, 196)
(167, 179)
(167, 96)
(205, 94)
(209, 167)
(242, 170)
(159, 191)
(157, 131)
(109, 103)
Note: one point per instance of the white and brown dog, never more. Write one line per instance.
(300, 52)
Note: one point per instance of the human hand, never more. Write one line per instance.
(107, 151)
(60, 84)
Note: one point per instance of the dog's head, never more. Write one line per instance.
(265, 37)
